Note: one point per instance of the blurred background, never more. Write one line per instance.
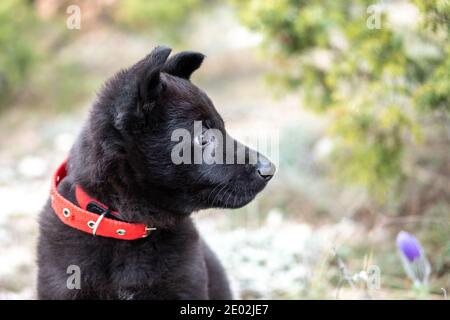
(357, 92)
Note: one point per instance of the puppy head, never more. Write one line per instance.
(152, 116)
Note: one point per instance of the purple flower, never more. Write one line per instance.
(408, 245)
(413, 257)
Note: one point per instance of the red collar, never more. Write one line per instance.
(80, 218)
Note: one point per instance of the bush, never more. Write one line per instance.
(375, 79)
(16, 54)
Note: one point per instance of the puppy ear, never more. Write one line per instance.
(149, 80)
(183, 64)
(158, 56)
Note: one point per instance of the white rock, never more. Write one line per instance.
(32, 167)
(64, 141)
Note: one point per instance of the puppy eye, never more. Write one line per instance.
(202, 139)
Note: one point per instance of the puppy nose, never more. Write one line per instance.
(265, 168)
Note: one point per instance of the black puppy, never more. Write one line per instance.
(124, 158)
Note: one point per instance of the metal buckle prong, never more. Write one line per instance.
(147, 231)
(97, 223)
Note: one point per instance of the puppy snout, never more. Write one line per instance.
(265, 168)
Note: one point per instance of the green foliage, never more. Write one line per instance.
(434, 93)
(16, 54)
(162, 15)
(353, 64)
(26, 39)
(436, 15)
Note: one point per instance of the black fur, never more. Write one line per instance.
(122, 158)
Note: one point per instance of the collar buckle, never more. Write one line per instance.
(94, 225)
(147, 231)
